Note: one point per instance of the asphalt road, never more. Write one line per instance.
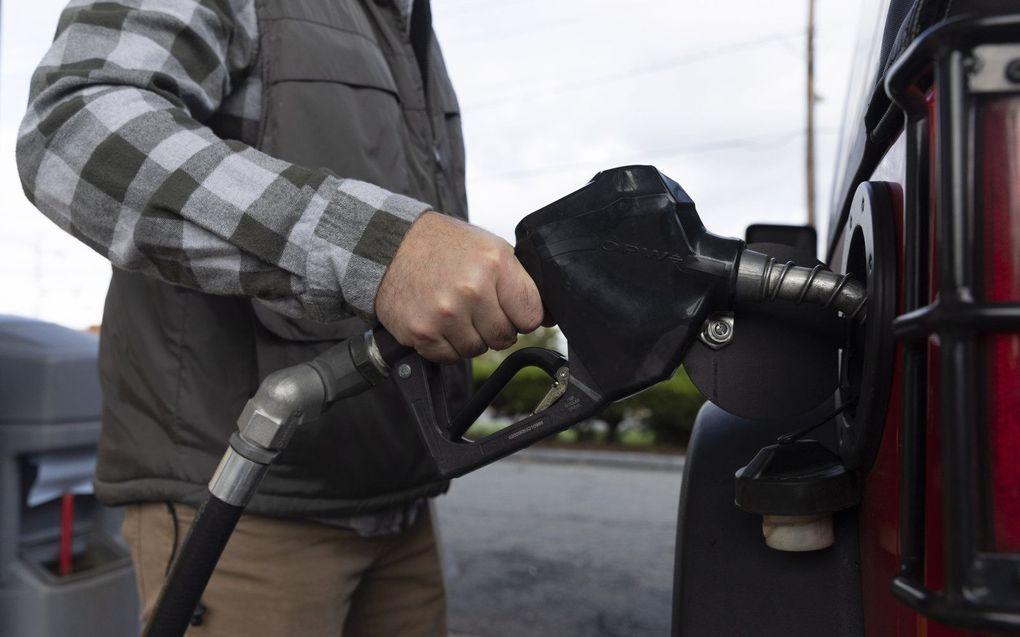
(560, 550)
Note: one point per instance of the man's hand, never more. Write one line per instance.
(453, 290)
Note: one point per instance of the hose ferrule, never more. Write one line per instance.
(236, 478)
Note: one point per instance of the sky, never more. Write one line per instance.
(550, 93)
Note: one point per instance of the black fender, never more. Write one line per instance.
(726, 580)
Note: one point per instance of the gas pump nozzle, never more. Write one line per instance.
(630, 274)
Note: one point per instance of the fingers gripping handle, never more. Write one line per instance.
(390, 351)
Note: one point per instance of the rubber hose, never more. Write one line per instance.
(193, 567)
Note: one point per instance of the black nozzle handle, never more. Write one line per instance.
(444, 437)
(453, 455)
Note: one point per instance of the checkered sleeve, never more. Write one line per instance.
(113, 149)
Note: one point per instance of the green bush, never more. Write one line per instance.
(523, 393)
(666, 410)
(669, 409)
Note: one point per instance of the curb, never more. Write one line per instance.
(615, 459)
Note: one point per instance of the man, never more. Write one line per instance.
(257, 173)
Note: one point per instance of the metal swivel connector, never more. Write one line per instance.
(760, 278)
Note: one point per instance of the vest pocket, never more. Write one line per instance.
(331, 102)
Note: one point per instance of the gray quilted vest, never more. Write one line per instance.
(342, 89)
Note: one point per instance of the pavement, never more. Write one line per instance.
(562, 543)
(597, 458)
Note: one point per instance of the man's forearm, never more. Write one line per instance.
(113, 151)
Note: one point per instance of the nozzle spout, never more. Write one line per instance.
(760, 278)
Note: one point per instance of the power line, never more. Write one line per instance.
(530, 30)
(591, 15)
(469, 7)
(626, 74)
(756, 143)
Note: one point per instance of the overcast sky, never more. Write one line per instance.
(550, 93)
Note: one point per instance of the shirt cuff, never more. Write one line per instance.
(353, 243)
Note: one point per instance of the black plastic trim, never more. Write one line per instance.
(860, 428)
(726, 580)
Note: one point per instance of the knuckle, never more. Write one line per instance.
(470, 291)
(496, 257)
(421, 333)
(446, 309)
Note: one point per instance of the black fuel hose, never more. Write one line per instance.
(282, 401)
(193, 567)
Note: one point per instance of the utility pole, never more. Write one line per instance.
(809, 136)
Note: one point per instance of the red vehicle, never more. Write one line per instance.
(926, 211)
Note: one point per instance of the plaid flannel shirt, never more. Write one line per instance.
(113, 149)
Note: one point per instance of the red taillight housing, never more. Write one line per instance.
(998, 121)
(961, 398)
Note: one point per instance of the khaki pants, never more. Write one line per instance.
(283, 578)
